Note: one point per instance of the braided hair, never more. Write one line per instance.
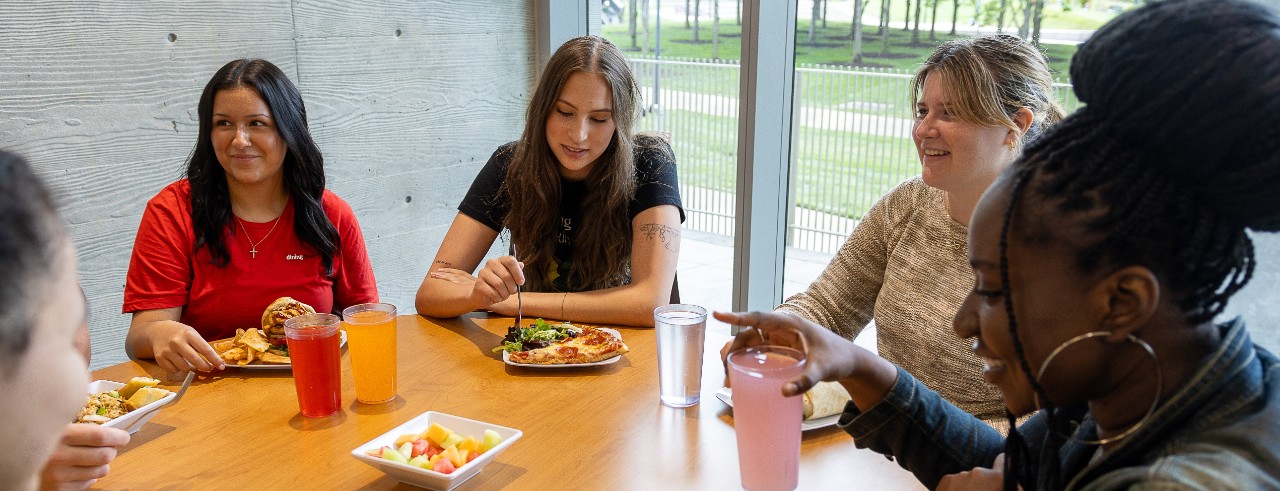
(1175, 155)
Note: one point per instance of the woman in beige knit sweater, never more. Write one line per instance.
(978, 101)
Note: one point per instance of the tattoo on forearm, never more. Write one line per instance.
(669, 236)
(444, 263)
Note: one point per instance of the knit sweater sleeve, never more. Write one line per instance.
(843, 298)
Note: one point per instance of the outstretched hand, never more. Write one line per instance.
(829, 356)
(978, 478)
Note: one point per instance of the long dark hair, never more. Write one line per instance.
(303, 164)
(31, 235)
(1175, 155)
(602, 250)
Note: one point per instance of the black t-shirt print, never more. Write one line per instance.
(571, 195)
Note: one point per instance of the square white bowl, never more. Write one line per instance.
(429, 479)
(133, 420)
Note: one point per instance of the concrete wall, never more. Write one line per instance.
(406, 99)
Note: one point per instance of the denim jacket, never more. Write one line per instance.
(1221, 430)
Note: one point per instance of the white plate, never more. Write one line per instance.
(418, 476)
(133, 420)
(341, 342)
(506, 357)
(725, 394)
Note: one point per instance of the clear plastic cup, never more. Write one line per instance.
(681, 332)
(317, 368)
(371, 338)
(767, 424)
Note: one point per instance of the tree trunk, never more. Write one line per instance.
(738, 11)
(1024, 29)
(1000, 19)
(631, 10)
(1035, 33)
(906, 20)
(955, 15)
(934, 24)
(715, 29)
(825, 4)
(857, 31)
(686, 12)
(884, 31)
(813, 21)
(698, 5)
(915, 32)
(644, 19)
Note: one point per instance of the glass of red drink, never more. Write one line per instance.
(314, 350)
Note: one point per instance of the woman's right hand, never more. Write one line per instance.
(829, 356)
(499, 279)
(177, 347)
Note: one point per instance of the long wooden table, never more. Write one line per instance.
(584, 428)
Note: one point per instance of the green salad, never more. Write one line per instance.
(539, 335)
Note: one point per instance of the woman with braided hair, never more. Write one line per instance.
(1102, 257)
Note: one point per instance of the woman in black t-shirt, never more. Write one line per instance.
(594, 212)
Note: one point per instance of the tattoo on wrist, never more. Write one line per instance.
(668, 235)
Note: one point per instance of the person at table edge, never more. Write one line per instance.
(251, 222)
(42, 374)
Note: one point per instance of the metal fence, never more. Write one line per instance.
(851, 141)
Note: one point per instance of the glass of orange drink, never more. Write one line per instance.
(371, 336)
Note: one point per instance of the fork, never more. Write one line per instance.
(183, 390)
(511, 247)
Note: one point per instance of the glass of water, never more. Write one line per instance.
(681, 341)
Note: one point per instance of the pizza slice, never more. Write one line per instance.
(590, 346)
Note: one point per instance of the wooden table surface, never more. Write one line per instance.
(584, 428)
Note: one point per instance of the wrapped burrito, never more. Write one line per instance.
(825, 399)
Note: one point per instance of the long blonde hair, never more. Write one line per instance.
(992, 77)
(602, 248)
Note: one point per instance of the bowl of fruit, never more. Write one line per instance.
(436, 450)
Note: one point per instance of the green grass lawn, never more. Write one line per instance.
(836, 172)
(832, 45)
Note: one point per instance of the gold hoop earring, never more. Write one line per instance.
(1154, 402)
(1012, 144)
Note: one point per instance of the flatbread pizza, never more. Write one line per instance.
(545, 343)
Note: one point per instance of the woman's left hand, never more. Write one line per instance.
(451, 275)
(458, 276)
(978, 478)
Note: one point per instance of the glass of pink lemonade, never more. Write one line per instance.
(371, 335)
(767, 424)
(314, 351)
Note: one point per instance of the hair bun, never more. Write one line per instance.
(1195, 84)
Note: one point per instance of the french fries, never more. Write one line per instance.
(248, 346)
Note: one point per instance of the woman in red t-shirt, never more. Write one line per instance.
(251, 222)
